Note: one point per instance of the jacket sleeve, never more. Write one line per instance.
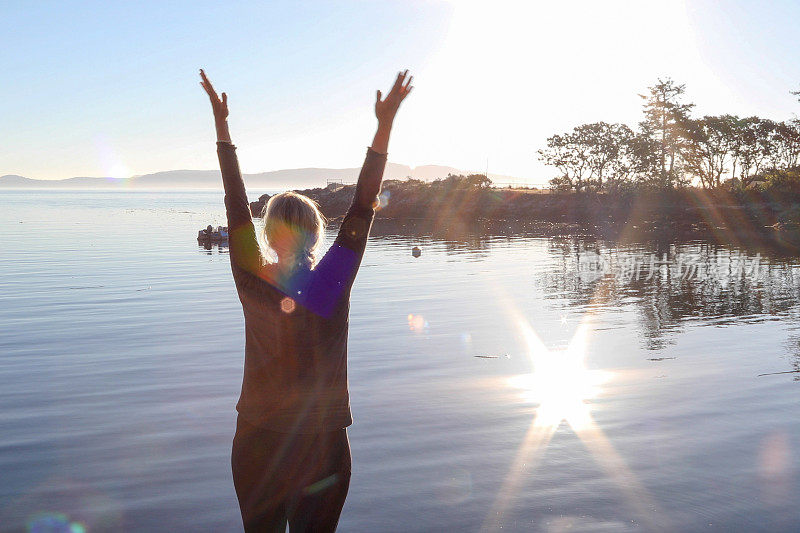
(336, 271)
(244, 251)
(357, 221)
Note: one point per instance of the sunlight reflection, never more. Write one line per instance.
(562, 388)
(560, 384)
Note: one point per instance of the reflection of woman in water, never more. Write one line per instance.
(291, 456)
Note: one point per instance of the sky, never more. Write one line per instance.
(111, 88)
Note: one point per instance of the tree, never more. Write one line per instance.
(710, 143)
(478, 181)
(607, 146)
(671, 148)
(643, 154)
(752, 147)
(459, 181)
(622, 143)
(736, 142)
(787, 143)
(590, 156)
(571, 158)
(665, 117)
(771, 141)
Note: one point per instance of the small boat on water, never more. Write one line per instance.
(212, 234)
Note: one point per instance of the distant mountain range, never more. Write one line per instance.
(296, 178)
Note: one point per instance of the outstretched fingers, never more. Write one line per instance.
(206, 84)
(386, 108)
(398, 83)
(402, 86)
(407, 87)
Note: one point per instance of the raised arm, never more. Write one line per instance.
(369, 180)
(335, 273)
(355, 226)
(244, 250)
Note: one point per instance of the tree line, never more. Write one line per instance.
(671, 149)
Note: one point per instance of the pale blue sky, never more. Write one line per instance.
(106, 88)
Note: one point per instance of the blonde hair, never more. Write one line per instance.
(293, 228)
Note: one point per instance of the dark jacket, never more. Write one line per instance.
(295, 369)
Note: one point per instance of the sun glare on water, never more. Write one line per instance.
(561, 386)
(562, 389)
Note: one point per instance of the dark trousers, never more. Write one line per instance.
(301, 479)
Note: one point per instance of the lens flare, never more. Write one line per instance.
(383, 200)
(417, 323)
(52, 522)
(287, 305)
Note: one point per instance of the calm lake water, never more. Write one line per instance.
(122, 342)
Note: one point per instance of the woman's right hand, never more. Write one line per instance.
(220, 107)
(386, 108)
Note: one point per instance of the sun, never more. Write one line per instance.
(119, 172)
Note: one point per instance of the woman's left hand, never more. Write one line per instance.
(220, 107)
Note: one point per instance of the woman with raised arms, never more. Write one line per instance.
(291, 455)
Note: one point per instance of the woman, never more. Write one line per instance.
(291, 456)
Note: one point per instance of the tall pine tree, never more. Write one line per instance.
(665, 119)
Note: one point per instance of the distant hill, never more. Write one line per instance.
(296, 178)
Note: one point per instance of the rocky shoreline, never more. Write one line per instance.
(682, 210)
